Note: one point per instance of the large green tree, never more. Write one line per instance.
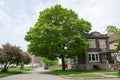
(58, 33)
(111, 30)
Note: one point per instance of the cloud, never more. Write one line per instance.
(17, 16)
(14, 22)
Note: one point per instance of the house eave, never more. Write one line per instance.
(107, 51)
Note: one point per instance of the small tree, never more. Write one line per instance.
(20, 59)
(26, 59)
(9, 55)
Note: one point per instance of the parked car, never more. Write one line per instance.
(13, 66)
(45, 68)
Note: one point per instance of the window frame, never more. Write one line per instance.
(96, 57)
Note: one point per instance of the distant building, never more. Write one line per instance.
(36, 61)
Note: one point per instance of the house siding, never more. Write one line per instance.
(83, 59)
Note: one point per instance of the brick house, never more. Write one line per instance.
(97, 56)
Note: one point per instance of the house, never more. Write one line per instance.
(112, 43)
(36, 61)
(112, 40)
(97, 56)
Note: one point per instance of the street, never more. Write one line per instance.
(37, 74)
(41, 74)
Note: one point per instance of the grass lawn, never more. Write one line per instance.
(12, 71)
(85, 74)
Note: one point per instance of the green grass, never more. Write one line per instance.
(85, 74)
(12, 71)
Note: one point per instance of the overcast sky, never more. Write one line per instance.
(17, 16)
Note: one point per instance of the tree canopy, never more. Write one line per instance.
(112, 29)
(10, 54)
(49, 62)
(58, 33)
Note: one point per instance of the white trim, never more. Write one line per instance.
(91, 55)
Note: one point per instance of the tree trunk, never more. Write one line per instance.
(63, 63)
(22, 66)
(5, 68)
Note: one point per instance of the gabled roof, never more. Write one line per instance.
(113, 38)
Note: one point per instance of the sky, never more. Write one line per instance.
(17, 16)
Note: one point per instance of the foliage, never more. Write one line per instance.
(2, 56)
(112, 29)
(58, 33)
(10, 54)
(118, 45)
(24, 58)
(28, 59)
(49, 62)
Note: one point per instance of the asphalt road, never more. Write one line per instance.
(41, 74)
(37, 74)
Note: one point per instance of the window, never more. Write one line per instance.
(93, 56)
(118, 57)
(92, 43)
(102, 43)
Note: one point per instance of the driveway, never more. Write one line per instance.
(41, 74)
